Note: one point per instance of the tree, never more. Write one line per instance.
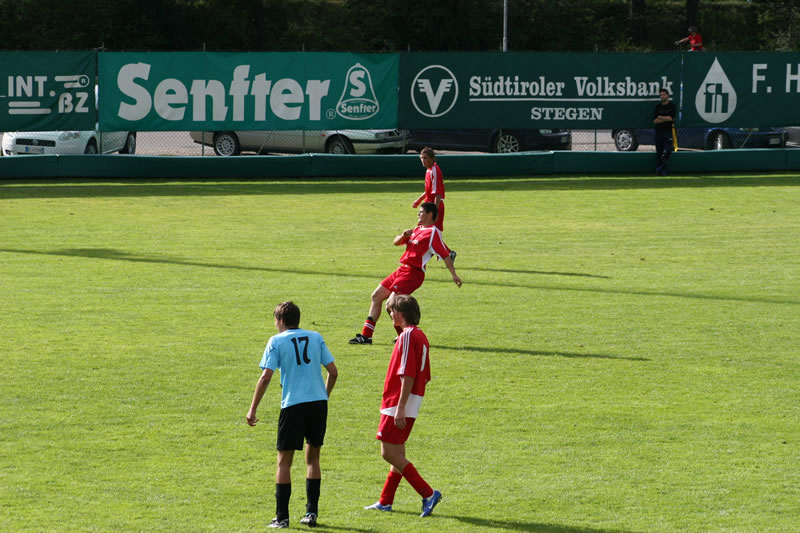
(636, 22)
(691, 12)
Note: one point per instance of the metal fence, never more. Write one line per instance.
(181, 143)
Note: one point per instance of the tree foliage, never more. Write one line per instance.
(394, 25)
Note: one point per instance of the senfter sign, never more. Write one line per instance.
(253, 91)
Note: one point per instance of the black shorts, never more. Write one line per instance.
(301, 421)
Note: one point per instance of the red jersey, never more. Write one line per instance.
(422, 245)
(696, 42)
(409, 358)
(434, 183)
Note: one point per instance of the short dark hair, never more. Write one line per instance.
(406, 305)
(430, 207)
(664, 90)
(288, 313)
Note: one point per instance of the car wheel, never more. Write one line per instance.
(507, 142)
(130, 144)
(625, 141)
(91, 147)
(720, 141)
(339, 145)
(226, 143)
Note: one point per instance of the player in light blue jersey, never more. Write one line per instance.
(298, 354)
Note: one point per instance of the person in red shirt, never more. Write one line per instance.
(422, 243)
(403, 390)
(694, 39)
(434, 187)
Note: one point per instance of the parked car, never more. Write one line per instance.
(68, 142)
(492, 140)
(298, 141)
(628, 140)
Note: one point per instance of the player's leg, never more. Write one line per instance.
(379, 295)
(313, 484)
(316, 424)
(395, 454)
(659, 152)
(283, 485)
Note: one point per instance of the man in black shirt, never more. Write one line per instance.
(663, 118)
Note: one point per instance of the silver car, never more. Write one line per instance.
(299, 141)
(68, 142)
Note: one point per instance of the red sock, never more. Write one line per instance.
(390, 487)
(369, 328)
(416, 481)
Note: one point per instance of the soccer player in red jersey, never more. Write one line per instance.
(403, 390)
(422, 243)
(694, 39)
(434, 187)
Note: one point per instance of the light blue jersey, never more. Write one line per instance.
(298, 353)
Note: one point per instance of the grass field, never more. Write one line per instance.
(623, 355)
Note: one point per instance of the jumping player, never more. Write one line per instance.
(403, 390)
(422, 243)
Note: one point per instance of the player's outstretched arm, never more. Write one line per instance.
(449, 263)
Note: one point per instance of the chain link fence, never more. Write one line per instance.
(183, 143)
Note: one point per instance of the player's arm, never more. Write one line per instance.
(437, 199)
(449, 263)
(418, 201)
(405, 392)
(403, 237)
(261, 388)
(333, 375)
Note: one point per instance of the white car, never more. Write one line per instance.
(298, 141)
(68, 142)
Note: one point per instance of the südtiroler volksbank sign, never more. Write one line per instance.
(533, 90)
(247, 91)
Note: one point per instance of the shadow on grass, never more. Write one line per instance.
(97, 188)
(536, 272)
(516, 525)
(118, 255)
(539, 353)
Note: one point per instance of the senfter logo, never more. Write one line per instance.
(358, 100)
(716, 98)
(434, 91)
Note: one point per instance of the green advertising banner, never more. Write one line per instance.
(47, 91)
(247, 91)
(533, 90)
(741, 89)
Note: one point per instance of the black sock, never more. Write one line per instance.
(312, 495)
(283, 491)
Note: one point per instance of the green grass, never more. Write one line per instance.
(622, 357)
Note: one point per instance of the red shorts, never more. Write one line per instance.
(404, 280)
(388, 432)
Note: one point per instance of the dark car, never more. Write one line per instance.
(489, 140)
(628, 140)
